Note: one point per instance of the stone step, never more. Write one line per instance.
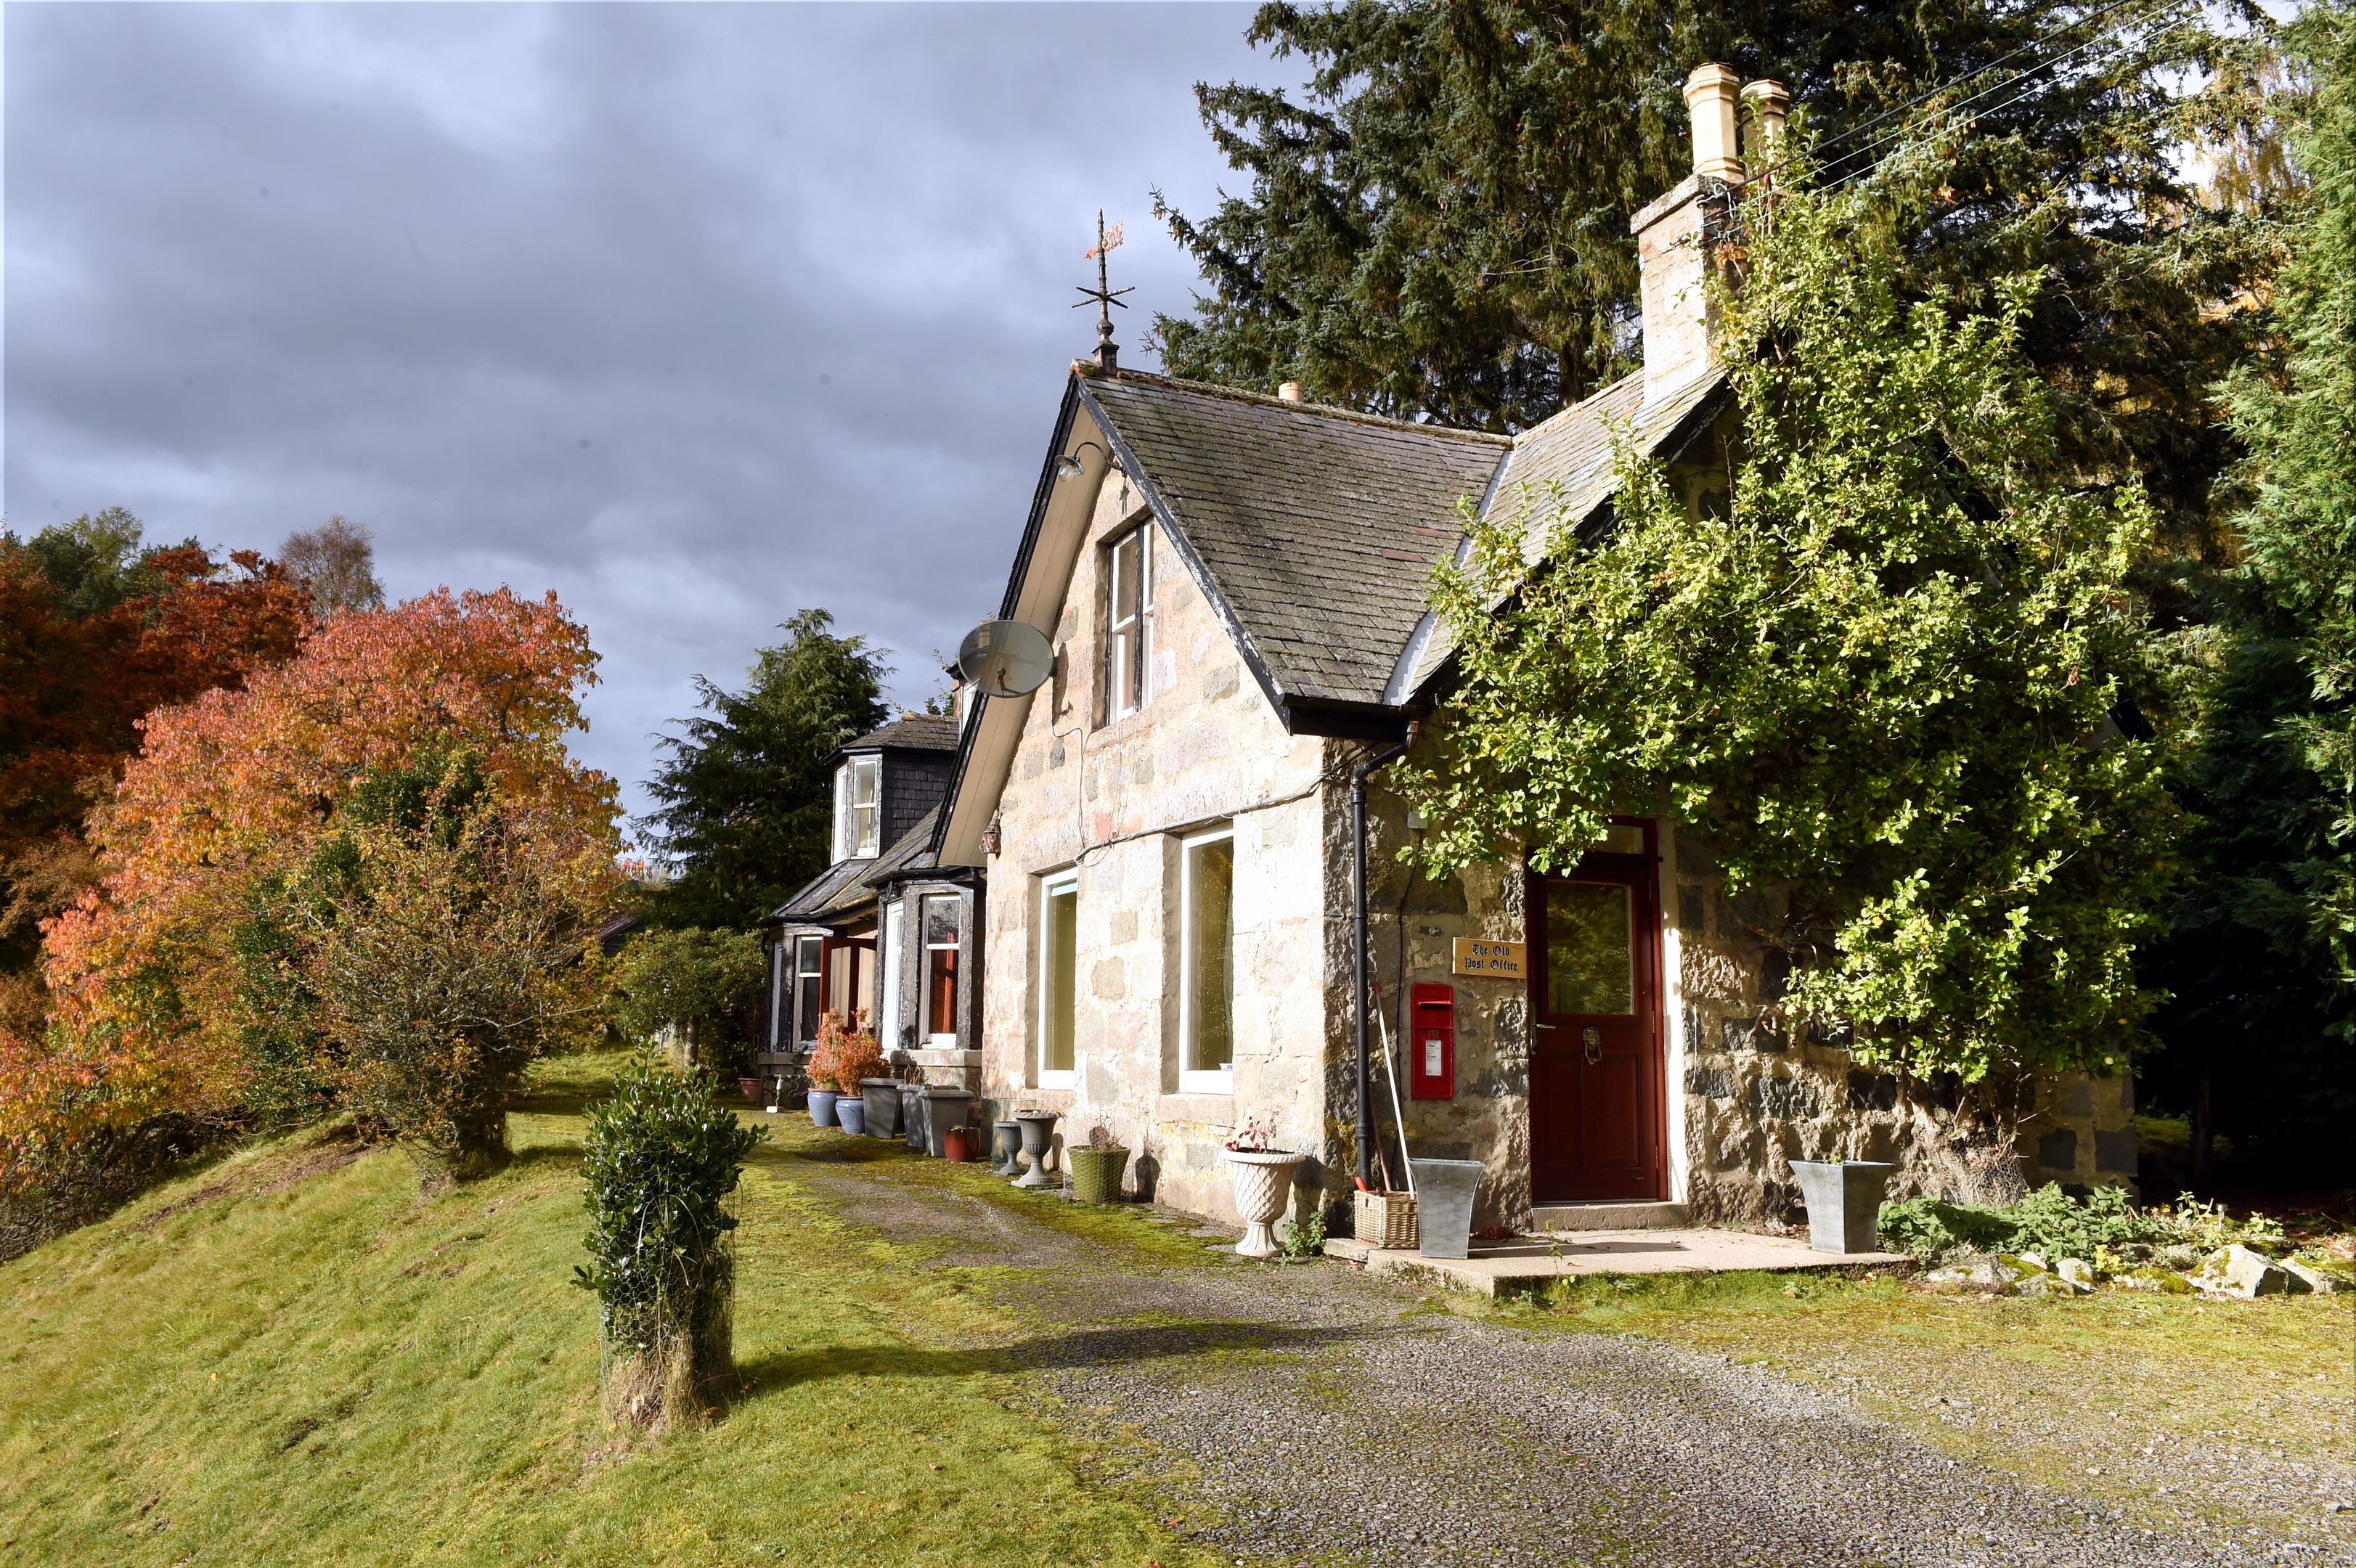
(1607, 1216)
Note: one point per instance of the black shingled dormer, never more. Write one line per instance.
(886, 781)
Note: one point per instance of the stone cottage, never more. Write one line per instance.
(886, 930)
(1235, 589)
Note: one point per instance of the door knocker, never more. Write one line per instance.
(1592, 1039)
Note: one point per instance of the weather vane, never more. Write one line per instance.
(1103, 296)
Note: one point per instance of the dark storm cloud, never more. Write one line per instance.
(696, 316)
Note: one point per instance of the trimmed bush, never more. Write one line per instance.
(661, 1157)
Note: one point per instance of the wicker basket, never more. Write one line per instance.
(1386, 1218)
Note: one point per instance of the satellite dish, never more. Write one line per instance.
(1006, 659)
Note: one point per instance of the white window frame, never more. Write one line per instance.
(1193, 1079)
(948, 1041)
(1129, 642)
(858, 828)
(1051, 887)
(778, 1026)
(896, 941)
(812, 949)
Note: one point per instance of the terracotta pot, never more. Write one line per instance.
(750, 1088)
(959, 1146)
(1263, 1181)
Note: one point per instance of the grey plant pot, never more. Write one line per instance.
(1444, 1190)
(1844, 1202)
(944, 1109)
(1006, 1154)
(883, 1097)
(1038, 1132)
(912, 1115)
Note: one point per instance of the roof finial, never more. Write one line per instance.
(1103, 297)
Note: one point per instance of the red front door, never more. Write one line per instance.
(1596, 1125)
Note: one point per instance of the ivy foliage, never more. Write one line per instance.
(1881, 679)
(660, 1158)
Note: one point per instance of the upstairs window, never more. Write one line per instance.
(857, 822)
(1129, 652)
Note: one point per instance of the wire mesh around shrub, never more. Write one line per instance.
(661, 1159)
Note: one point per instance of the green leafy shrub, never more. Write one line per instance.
(2051, 1222)
(700, 980)
(661, 1157)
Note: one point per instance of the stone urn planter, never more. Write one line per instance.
(1263, 1185)
(883, 1097)
(821, 1107)
(912, 1116)
(1444, 1190)
(1095, 1171)
(1844, 1201)
(1005, 1155)
(850, 1114)
(944, 1109)
(1038, 1130)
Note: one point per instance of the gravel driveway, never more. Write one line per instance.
(1312, 1415)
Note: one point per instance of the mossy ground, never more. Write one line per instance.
(246, 1369)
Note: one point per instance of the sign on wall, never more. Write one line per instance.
(1498, 960)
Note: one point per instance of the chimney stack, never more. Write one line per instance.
(1766, 104)
(1672, 240)
(1289, 392)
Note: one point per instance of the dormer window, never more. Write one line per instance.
(1129, 650)
(857, 822)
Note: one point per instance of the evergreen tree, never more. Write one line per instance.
(2261, 957)
(745, 806)
(1439, 227)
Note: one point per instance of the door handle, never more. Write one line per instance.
(1592, 1039)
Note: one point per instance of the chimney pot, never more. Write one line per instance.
(1766, 104)
(1710, 94)
(1289, 392)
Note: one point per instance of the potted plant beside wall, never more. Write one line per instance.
(1263, 1185)
(823, 1090)
(858, 1059)
(1095, 1168)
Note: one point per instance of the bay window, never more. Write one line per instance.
(942, 915)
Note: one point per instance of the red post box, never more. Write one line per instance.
(1432, 1042)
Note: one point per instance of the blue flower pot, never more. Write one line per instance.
(850, 1114)
(822, 1107)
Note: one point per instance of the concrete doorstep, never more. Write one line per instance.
(1523, 1264)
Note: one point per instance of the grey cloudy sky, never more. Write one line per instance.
(695, 315)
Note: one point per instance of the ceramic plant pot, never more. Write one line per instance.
(912, 1116)
(1844, 1201)
(850, 1114)
(1005, 1156)
(1444, 1190)
(1038, 1133)
(961, 1145)
(751, 1088)
(821, 1107)
(883, 1097)
(1263, 1181)
(1095, 1171)
(944, 1109)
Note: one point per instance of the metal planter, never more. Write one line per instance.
(1843, 1200)
(1444, 1190)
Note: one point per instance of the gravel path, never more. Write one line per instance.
(1315, 1415)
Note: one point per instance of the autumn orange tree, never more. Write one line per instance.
(238, 789)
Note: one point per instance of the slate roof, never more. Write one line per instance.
(1562, 469)
(1318, 526)
(848, 886)
(910, 732)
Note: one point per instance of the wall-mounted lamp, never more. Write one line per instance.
(1069, 465)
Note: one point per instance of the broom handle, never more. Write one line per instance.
(1390, 1073)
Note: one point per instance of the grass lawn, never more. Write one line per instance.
(292, 1357)
(2154, 1401)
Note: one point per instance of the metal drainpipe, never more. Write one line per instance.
(1358, 936)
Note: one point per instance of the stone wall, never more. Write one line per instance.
(1113, 799)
